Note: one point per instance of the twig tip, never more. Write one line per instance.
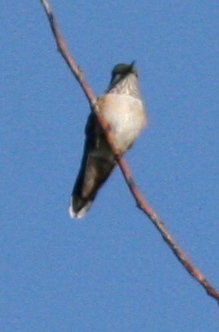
(47, 7)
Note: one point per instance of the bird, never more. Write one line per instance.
(122, 107)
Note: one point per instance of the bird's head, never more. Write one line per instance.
(121, 71)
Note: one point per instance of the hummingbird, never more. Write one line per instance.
(122, 107)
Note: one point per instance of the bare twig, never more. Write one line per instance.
(193, 271)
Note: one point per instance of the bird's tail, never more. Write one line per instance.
(94, 171)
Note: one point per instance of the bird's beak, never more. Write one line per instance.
(132, 64)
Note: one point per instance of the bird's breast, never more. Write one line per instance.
(125, 116)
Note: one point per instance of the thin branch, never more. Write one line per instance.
(141, 203)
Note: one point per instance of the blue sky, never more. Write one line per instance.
(111, 271)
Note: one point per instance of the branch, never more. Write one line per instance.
(141, 203)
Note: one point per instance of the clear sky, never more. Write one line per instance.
(110, 271)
